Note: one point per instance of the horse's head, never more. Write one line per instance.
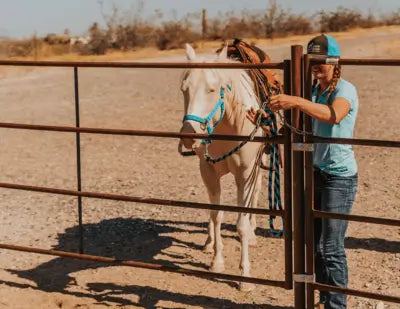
(203, 91)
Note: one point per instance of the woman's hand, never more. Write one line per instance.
(252, 115)
(282, 101)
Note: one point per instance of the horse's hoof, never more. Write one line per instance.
(208, 248)
(217, 267)
(246, 287)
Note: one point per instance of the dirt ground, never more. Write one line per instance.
(149, 99)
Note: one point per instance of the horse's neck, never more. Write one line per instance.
(239, 98)
(234, 120)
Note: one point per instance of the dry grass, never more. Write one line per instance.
(49, 53)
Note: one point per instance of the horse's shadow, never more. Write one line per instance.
(125, 239)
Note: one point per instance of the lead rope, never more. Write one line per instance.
(207, 156)
(274, 184)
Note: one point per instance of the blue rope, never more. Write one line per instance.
(274, 196)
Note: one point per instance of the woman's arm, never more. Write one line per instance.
(331, 114)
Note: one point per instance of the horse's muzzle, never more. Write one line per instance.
(187, 128)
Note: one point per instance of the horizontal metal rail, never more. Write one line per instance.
(356, 141)
(357, 218)
(148, 65)
(365, 62)
(126, 198)
(271, 140)
(353, 292)
(114, 261)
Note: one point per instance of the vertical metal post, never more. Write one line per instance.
(288, 183)
(298, 182)
(78, 159)
(309, 188)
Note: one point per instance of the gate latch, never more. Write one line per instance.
(302, 147)
(304, 278)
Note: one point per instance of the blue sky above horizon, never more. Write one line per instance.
(22, 18)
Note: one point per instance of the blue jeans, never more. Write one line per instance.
(335, 194)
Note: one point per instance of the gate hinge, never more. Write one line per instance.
(304, 278)
(302, 147)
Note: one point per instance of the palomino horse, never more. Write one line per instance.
(216, 101)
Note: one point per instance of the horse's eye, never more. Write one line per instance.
(211, 90)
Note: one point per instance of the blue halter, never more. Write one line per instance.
(206, 121)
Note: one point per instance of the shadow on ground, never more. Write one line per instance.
(373, 244)
(126, 239)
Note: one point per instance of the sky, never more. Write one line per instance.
(23, 18)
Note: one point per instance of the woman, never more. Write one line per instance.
(334, 109)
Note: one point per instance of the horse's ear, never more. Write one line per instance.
(190, 53)
(223, 55)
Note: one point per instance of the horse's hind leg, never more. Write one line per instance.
(254, 202)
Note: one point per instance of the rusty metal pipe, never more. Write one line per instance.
(355, 141)
(146, 65)
(356, 218)
(309, 188)
(353, 292)
(114, 261)
(364, 62)
(288, 184)
(126, 198)
(298, 182)
(78, 158)
(259, 139)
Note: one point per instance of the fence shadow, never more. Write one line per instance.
(106, 293)
(373, 244)
(125, 239)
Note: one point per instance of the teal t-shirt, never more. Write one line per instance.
(336, 159)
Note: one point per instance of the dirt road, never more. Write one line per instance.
(151, 167)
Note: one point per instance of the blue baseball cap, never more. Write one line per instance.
(323, 45)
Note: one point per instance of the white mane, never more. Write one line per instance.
(242, 86)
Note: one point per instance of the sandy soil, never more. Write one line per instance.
(151, 167)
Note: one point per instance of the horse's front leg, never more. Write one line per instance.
(209, 244)
(214, 240)
(248, 187)
(218, 260)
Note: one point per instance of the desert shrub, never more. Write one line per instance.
(247, 25)
(391, 19)
(134, 35)
(53, 39)
(22, 48)
(293, 25)
(173, 35)
(99, 41)
(370, 21)
(215, 29)
(340, 20)
(133, 31)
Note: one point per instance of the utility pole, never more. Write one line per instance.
(204, 24)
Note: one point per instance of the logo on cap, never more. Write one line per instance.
(314, 48)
